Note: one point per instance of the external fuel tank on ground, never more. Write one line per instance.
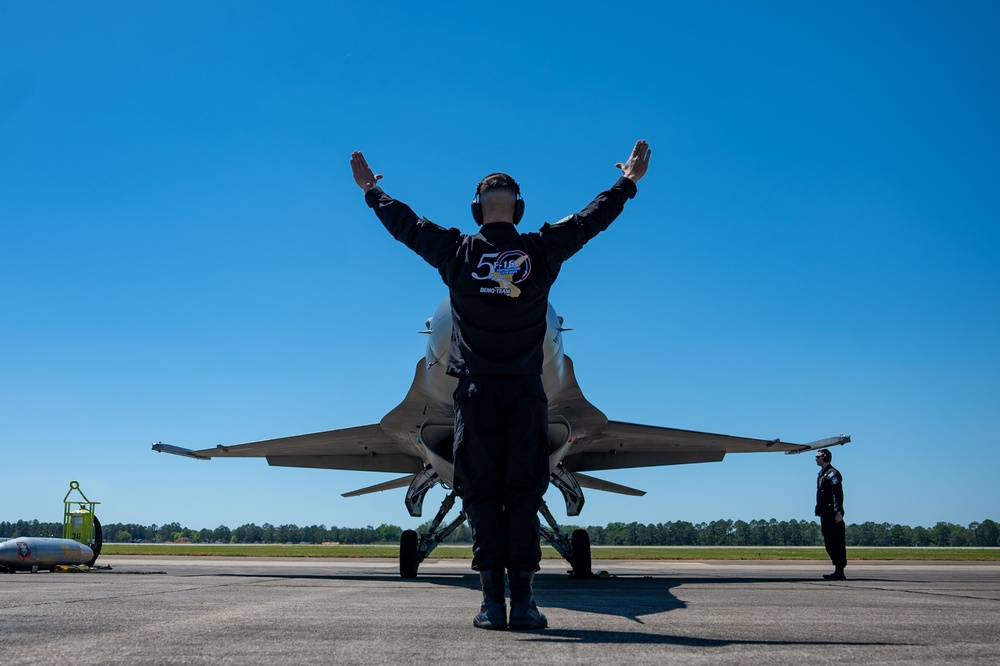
(40, 554)
(81, 542)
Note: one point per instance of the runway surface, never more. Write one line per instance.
(296, 611)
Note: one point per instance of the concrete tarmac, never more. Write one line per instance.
(187, 610)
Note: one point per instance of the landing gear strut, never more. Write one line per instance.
(415, 548)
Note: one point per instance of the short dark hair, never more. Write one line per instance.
(825, 454)
(498, 181)
(497, 187)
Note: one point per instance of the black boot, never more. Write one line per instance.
(838, 574)
(524, 614)
(493, 612)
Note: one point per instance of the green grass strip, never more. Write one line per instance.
(598, 552)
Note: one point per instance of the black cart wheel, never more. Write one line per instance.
(408, 554)
(98, 541)
(580, 559)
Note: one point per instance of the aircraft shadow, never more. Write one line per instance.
(630, 597)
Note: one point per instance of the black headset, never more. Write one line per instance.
(509, 183)
(826, 455)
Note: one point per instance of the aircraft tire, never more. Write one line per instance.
(580, 560)
(98, 541)
(408, 554)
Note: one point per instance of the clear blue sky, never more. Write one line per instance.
(184, 256)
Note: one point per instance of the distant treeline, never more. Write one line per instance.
(679, 533)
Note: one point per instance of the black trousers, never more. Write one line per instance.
(502, 467)
(834, 537)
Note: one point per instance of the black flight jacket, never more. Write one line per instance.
(499, 279)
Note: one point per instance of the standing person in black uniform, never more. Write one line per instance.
(830, 509)
(498, 281)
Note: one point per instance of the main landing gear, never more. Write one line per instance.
(415, 548)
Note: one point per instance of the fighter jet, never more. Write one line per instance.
(416, 439)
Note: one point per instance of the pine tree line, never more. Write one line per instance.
(678, 533)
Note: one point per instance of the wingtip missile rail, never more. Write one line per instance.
(821, 444)
(160, 447)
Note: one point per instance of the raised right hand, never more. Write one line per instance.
(363, 175)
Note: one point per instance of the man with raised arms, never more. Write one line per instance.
(498, 280)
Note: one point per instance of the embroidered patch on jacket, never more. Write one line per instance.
(506, 269)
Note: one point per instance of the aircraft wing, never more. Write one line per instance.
(401, 444)
(365, 448)
(620, 445)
